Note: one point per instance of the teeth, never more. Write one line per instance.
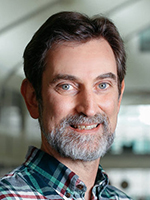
(82, 127)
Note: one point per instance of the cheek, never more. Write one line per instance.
(110, 108)
(114, 116)
(56, 108)
(109, 104)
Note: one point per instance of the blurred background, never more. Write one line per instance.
(128, 161)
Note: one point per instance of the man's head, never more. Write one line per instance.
(70, 27)
(75, 68)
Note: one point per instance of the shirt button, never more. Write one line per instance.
(80, 187)
(68, 195)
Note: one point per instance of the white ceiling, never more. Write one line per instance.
(19, 19)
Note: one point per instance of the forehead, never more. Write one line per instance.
(92, 58)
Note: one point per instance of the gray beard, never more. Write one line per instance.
(70, 143)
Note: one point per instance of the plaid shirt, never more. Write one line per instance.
(44, 177)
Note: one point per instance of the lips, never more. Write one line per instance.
(84, 127)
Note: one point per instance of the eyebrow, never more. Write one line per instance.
(107, 75)
(63, 77)
(73, 78)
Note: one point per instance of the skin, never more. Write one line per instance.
(78, 79)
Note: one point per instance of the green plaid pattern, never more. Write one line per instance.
(41, 176)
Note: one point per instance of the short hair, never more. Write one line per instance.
(70, 27)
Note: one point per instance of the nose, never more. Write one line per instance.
(87, 103)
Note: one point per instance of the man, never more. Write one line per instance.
(75, 68)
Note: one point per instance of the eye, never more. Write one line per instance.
(66, 86)
(103, 85)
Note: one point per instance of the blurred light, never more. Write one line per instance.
(144, 114)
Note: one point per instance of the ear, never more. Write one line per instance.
(29, 96)
(121, 94)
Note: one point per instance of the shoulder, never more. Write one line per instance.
(113, 192)
(10, 178)
(21, 184)
(9, 183)
(109, 191)
(13, 186)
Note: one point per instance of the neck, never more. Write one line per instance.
(86, 171)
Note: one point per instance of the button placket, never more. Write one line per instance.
(68, 194)
(80, 187)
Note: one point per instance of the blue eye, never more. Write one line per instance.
(65, 86)
(102, 85)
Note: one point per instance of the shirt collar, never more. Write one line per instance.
(56, 175)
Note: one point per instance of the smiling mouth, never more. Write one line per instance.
(85, 127)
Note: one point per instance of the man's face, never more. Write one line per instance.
(80, 98)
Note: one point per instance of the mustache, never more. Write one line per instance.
(82, 119)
